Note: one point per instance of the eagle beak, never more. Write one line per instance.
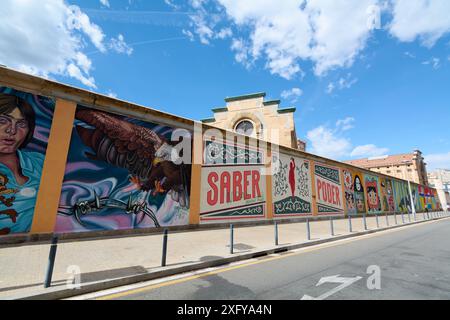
(157, 160)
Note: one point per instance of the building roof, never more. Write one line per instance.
(385, 161)
(246, 96)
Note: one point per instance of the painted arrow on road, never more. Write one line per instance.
(345, 282)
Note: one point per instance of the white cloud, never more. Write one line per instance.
(49, 37)
(437, 161)
(327, 143)
(332, 143)
(410, 55)
(284, 33)
(345, 124)
(343, 83)
(292, 94)
(171, 4)
(112, 94)
(120, 46)
(368, 151)
(329, 34)
(106, 2)
(434, 62)
(420, 19)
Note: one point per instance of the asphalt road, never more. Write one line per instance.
(414, 263)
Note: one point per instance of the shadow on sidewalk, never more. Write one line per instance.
(5, 289)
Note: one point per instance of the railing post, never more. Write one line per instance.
(51, 262)
(350, 229)
(395, 218)
(403, 218)
(276, 233)
(308, 230)
(332, 226)
(365, 221)
(231, 239)
(387, 220)
(164, 248)
(378, 223)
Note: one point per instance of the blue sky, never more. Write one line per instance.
(358, 91)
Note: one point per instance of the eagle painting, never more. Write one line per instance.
(145, 154)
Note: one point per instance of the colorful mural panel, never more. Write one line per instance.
(120, 175)
(328, 189)
(291, 186)
(373, 194)
(401, 195)
(349, 189)
(360, 197)
(232, 185)
(25, 122)
(387, 195)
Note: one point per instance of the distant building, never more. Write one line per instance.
(409, 166)
(251, 115)
(440, 179)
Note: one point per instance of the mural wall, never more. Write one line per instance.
(329, 195)
(349, 190)
(373, 194)
(25, 122)
(402, 198)
(387, 195)
(232, 185)
(291, 186)
(120, 175)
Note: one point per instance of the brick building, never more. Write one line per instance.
(410, 166)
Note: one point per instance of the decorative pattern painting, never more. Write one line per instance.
(328, 189)
(291, 186)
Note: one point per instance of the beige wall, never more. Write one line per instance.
(270, 124)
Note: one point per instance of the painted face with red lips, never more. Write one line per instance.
(13, 131)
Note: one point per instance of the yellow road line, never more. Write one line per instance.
(293, 253)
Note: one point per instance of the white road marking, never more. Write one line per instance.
(345, 282)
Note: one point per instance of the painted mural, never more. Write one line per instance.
(232, 185)
(291, 186)
(328, 189)
(360, 197)
(373, 194)
(402, 198)
(387, 195)
(428, 198)
(349, 189)
(120, 175)
(25, 122)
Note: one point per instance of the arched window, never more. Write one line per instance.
(245, 127)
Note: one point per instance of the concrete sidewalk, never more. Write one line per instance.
(101, 261)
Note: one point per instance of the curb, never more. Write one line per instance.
(56, 293)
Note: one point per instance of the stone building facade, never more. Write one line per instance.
(440, 179)
(409, 166)
(251, 115)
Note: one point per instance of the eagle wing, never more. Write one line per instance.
(119, 142)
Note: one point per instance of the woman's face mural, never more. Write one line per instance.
(13, 131)
(25, 122)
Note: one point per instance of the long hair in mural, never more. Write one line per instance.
(120, 175)
(25, 121)
(359, 194)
